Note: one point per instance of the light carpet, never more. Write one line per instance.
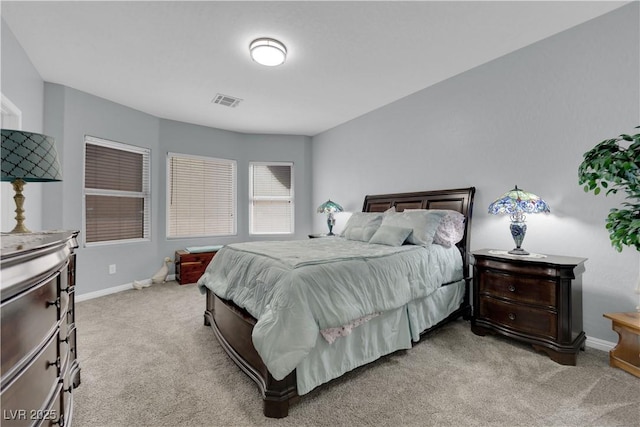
(148, 360)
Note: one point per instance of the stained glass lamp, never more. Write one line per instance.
(27, 157)
(330, 208)
(516, 203)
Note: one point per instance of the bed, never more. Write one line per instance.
(295, 315)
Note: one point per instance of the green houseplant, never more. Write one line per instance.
(614, 165)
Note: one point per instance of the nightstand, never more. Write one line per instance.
(190, 266)
(537, 300)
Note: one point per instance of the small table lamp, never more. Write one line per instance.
(330, 208)
(516, 203)
(27, 157)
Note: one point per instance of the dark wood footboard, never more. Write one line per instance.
(232, 327)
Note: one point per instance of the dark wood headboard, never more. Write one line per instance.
(460, 199)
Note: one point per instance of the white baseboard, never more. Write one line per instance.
(114, 289)
(599, 344)
(103, 292)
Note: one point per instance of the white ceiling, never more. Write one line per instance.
(170, 58)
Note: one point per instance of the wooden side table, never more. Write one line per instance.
(534, 300)
(190, 266)
(626, 355)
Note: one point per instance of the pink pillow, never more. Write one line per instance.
(451, 229)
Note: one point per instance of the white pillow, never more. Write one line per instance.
(423, 224)
(390, 235)
(362, 225)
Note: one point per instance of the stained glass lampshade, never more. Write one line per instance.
(330, 208)
(516, 203)
(27, 157)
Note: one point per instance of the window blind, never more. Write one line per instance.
(271, 193)
(202, 194)
(116, 191)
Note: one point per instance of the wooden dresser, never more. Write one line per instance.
(39, 356)
(190, 266)
(534, 300)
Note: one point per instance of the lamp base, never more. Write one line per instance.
(20, 230)
(331, 221)
(18, 186)
(518, 251)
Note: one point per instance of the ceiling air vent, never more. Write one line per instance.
(226, 100)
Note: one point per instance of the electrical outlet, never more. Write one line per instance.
(112, 269)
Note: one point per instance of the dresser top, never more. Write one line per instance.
(13, 244)
(533, 258)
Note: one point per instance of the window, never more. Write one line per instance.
(201, 196)
(116, 192)
(271, 198)
(11, 115)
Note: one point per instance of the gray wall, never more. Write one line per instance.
(71, 114)
(525, 119)
(22, 84)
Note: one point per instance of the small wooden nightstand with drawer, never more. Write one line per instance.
(537, 300)
(190, 266)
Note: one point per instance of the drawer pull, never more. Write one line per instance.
(66, 340)
(56, 363)
(512, 288)
(512, 316)
(56, 303)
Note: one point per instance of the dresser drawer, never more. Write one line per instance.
(68, 387)
(520, 318)
(27, 319)
(518, 288)
(71, 315)
(54, 416)
(64, 337)
(28, 396)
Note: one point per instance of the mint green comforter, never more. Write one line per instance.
(296, 288)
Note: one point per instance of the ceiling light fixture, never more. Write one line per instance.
(269, 52)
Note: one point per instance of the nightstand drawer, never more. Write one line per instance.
(519, 317)
(518, 288)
